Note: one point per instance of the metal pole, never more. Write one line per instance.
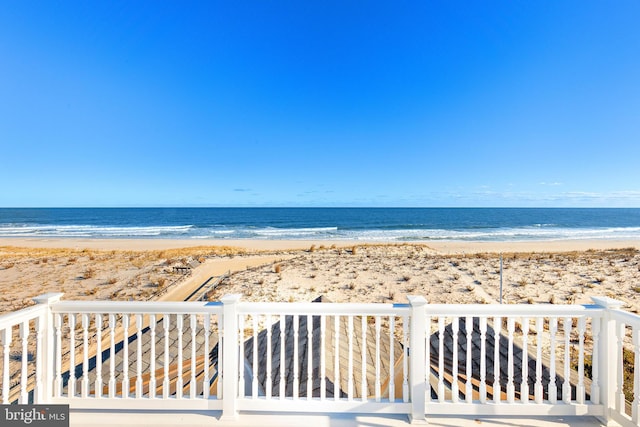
(501, 278)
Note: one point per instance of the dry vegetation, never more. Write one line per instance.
(93, 274)
(385, 273)
(363, 273)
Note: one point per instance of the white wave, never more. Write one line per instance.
(12, 230)
(276, 232)
(506, 234)
(225, 232)
(539, 232)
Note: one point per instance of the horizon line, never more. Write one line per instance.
(317, 207)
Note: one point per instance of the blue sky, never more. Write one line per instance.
(300, 103)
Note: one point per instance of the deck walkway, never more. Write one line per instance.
(128, 419)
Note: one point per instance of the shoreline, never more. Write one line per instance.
(440, 247)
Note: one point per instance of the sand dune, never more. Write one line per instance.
(539, 273)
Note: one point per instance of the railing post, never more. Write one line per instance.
(417, 359)
(608, 358)
(45, 353)
(230, 356)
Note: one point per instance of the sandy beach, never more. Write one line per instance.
(444, 247)
(347, 271)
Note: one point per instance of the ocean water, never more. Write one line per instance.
(379, 224)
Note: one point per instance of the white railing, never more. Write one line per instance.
(414, 358)
(514, 359)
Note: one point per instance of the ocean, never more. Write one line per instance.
(357, 224)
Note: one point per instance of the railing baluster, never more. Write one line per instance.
(221, 344)
(166, 322)
(510, 385)
(269, 352)
(620, 400)
(524, 385)
(205, 353)
(595, 362)
(392, 361)
(483, 360)
(296, 368)
(71, 384)
(580, 392)
(254, 383)
(39, 391)
(6, 349)
(85, 356)
(497, 387)
(57, 384)
(242, 391)
(125, 356)
(427, 349)
(180, 381)
(309, 357)
(283, 350)
(566, 385)
(336, 361)
(455, 360)
(193, 387)
(538, 387)
(98, 381)
(350, 374)
(24, 361)
(363, 350)
(112, 356)
(323, 372)
(468, 392)
(552, 389)
(152, 356)
(405, 359)
(441, 359)
(377, 382)
(635, 406)
(139, 356)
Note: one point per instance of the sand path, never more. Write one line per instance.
(215, 268)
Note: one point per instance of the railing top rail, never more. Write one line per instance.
(135, 307)
(625, 317)
(301, 308)
(16, 317)
(519, 310)
(329, 309)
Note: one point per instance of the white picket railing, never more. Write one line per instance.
(541, 372)
(415, 358)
